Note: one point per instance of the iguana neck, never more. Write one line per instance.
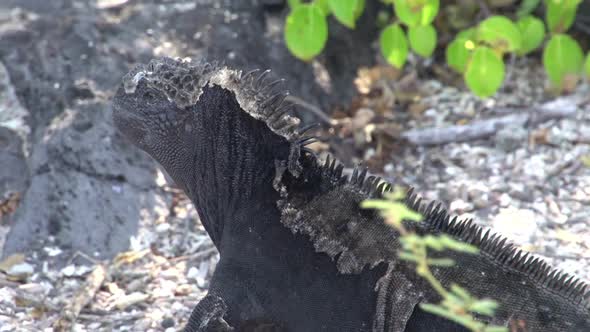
(233, 161)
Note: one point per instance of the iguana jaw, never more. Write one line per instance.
(129, 124)
(202, 124)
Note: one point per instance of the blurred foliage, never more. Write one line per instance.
(477, 51)
(457, 304)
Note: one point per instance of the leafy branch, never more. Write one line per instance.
(457, 304)
(477, 53)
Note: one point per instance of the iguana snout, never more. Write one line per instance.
(147, 117)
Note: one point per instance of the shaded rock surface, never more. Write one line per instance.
(88, 190)
(13, 166)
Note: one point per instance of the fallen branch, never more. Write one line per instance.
(196, 256)
(311, 108)
(26, 299)
(109, 319)
(8, 283)
(123, 302)
(84, 295)
(557, 109)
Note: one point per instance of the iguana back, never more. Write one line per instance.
(297, 253)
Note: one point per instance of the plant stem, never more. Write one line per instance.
(485, 10)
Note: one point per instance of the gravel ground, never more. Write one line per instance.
(530, 184)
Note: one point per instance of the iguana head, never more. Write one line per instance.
(151, 109)
(211, 128)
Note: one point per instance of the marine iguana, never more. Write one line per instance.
(297, 253)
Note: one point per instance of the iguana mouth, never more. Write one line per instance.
(135, 130)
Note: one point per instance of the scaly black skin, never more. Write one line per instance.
(296, 251)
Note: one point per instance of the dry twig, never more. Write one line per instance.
(84, 295)
(312, 108)
(559, 108)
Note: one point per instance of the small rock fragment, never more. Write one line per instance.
(21, 270)
(511, 138)
(167, 322)
(517, 225)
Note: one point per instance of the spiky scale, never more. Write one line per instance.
(361, 177)
(309, 151)
(338, 170)
(327, 162)
(368, 184)
(333, 166)
(274, 101)
(381, 188)
(308, 140)
(307, 128)
(354, 176)
(258, 82)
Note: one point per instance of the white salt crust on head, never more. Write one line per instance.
(249, 100)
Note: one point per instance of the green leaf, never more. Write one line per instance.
(485, 307)
(495, 328)
(433, 242)
(443, 312)
(468, 34)
(347, 11)
(323, 5)
(461, 292)
(413, 13)
(457, 55)
(532, 31)
(587, 66)
(397, 194)
(422, 39)
(459, 50)
(378, 204)
(457, 245)
(411, 239)
(440, 262)
(394, 45)
(485, 72)
(293, 3)
(408, 256)
(403, 213)
(560, 15)
(526, 7)
(499, 33)
(452, 300)
(562, 57)
(435, 309)
(306, 31)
